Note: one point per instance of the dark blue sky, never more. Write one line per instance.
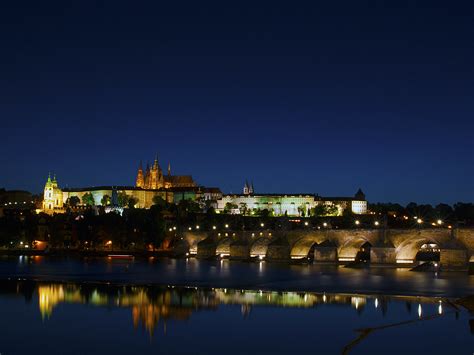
(320, 97)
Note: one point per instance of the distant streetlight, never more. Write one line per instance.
(197, 227)
(440, 222)
(325, 224)
(190, 228)
(305, 223)
(357, 222)
(376, 223)
(419, 221)
(214, 227)
(227, 226)
(262, 225)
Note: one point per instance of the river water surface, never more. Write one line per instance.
(170, 306)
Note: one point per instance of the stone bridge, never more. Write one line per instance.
(385, 246)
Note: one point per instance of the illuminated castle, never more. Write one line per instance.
(148, 184)
(154, 179)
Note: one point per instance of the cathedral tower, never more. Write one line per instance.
(140, 182)
(147, 177)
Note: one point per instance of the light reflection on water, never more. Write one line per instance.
(350, 311)
(364, 320)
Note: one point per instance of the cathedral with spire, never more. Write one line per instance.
(152, 178)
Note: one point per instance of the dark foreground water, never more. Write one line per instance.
(101, 306)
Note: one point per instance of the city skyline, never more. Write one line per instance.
(318, 98)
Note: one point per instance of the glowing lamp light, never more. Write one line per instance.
(197, 227)
(305, 223)
(376, 223)
(190, 228)
(325, 224)
(439, 222)
(419, 221)
(357, 222)
(214, 227)
(227, 226)
(262, 225)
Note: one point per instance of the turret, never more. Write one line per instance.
(359, 195)
(140, 181)
(147, 176)
(246, 189)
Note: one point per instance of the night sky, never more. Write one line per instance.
(321, 97)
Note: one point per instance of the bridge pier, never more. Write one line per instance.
(206, 248)
(278, 250)
(325, 252)
(383, 255)
(240, 250)
(453, 258)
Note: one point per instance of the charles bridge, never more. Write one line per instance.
(397, 247)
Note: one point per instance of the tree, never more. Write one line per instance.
(443, 210)
(229, 206)
(159, 201)
(132, 201)
(105, 200)
(324, 210)
(464, 212)
(73, 201)
(302, 210)
(88, 199)
(122, 199)
(243, 208)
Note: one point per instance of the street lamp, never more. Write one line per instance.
(376, 223)
(357, 222)
(227, 226)
(419, 221)
(305, 223)
(262, 225)
(325, 224)
(440, 222)
(214, 227)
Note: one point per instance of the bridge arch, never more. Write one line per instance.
(259, 247)
(349, 250)
(223, 246)
(407, 250)
(304, 248)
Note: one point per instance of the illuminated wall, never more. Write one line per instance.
(359, 207)
(144, 197)
(291, 204)
(279, 204)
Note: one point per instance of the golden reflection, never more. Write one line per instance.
(151, 306)
(49, 296)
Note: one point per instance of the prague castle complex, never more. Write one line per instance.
(152, 182)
